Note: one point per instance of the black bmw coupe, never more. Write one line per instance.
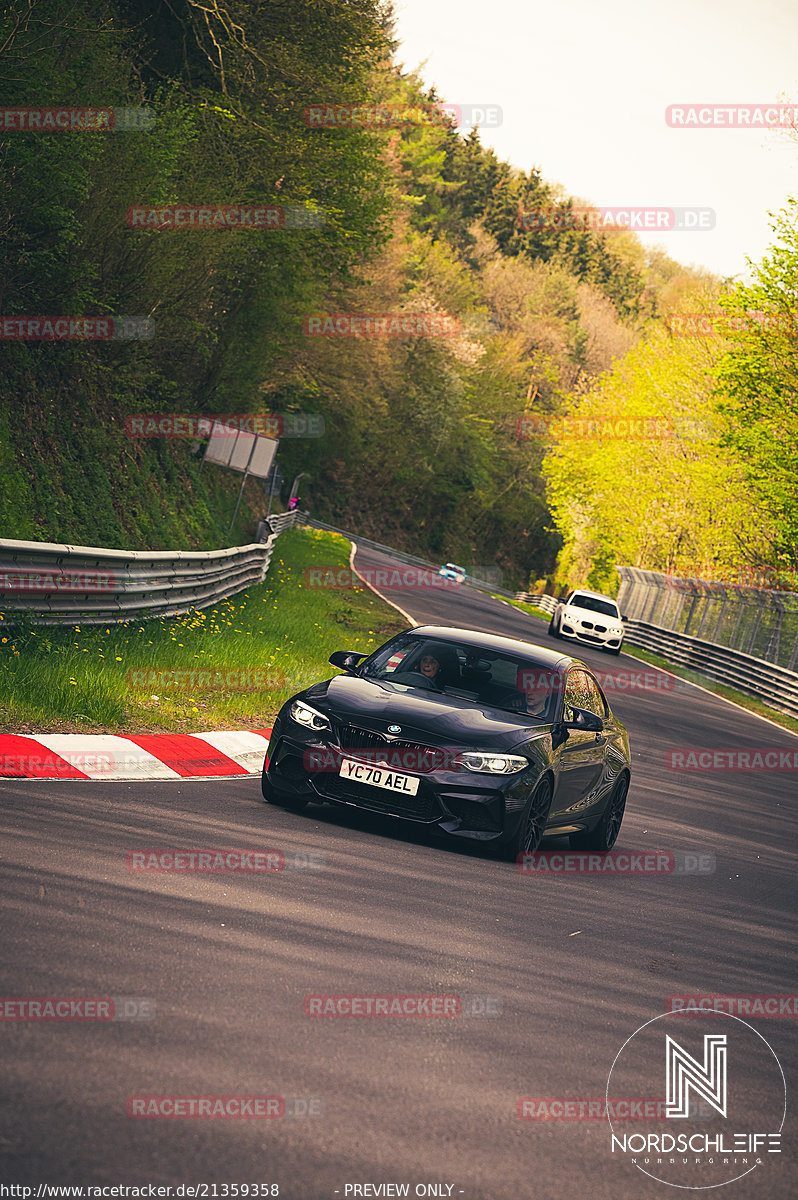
(483, 737)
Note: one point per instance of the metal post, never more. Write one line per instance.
(243, 481)
(295, 485)
(740, 610)
(772, 652)
(721, 615)
(271, 491)
(690, 614)
(757, 623)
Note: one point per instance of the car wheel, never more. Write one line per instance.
(616, 650)
(604, 836)
(554, 630)
(528, 836)
(292, 803)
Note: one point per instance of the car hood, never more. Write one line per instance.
(421, 714)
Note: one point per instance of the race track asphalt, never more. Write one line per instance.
(568, 967)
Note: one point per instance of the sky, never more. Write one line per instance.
(583, 87)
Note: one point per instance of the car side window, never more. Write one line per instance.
(594, 701)
(574, 694)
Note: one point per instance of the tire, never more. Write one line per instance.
(605, 834)
(528, 836)
(554, 629)
(616, 652)
(292, 803)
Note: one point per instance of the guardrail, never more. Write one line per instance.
(547, 604)
(63, 585)
(777, 686)
(481, 585)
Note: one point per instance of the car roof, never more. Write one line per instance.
(495, 641)
(595, 595)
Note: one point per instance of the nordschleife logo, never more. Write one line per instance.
(725, 1100)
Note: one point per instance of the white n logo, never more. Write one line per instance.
(685, 1072)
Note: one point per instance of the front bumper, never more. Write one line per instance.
(459, 802)
(590, 637)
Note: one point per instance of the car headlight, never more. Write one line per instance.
(493, 764)
(303, 714)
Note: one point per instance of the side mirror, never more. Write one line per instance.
(346, 660)
(585, 721)
(624, 617)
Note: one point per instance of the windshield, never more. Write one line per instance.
(488, 678)
(607, 607)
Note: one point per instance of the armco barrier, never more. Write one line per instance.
(44, 580)
(775, 685)
(546, 604)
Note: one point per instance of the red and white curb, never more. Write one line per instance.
(143, 756)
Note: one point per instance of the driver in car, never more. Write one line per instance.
(431, 668)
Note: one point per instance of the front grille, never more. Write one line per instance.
(600, 628)
(350, 738)
(421, 807)
(395, 753)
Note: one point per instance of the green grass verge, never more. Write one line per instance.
(527, 608)
(228, 667)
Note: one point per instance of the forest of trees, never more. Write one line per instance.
(452, 446)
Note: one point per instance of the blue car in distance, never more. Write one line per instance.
(452, 571)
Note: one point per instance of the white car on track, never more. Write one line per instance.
(588, 617)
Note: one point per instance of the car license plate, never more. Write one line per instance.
(379, 777)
